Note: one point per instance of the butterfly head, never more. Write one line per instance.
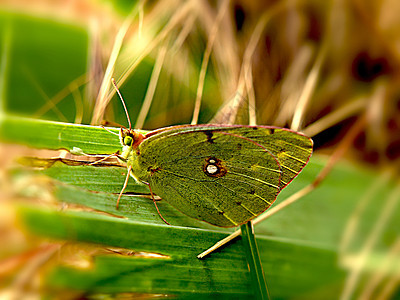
(130, 138)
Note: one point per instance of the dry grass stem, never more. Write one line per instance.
(102, 99)
(151, 88)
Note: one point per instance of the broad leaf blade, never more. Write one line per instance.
(224, 272)
(56, 135)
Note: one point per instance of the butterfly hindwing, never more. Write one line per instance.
(291, 149)
(224, 175)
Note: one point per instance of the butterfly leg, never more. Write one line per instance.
(105, 158)
(154, 201)
(125, 184)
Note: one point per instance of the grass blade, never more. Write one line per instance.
(254, 261)
(57, 135)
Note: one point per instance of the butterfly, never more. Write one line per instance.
(225, 175)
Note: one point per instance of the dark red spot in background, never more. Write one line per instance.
(239, 16)
(367, 68)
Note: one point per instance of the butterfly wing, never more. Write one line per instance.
(224, 175)
(291, 149)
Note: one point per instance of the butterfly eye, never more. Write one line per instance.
(128, 140)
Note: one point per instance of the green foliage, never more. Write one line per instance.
(299, 246)
(38, 69)
(53, 135)
(225, 272)
(285, 253)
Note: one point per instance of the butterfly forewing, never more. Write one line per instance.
(224, 175)
(244, 184)
(291, 149)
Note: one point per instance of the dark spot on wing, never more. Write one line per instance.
(221, 212)
(252, 191)
(239, 146)
(239, 203)
(280, 150)
(153, 170)
(209, 135)
(214, 167)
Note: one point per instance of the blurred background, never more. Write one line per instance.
(327, 68)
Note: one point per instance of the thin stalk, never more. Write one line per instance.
(254, 261)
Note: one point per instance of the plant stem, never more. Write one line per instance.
(254, 261)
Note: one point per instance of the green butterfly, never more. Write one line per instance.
(224, 175)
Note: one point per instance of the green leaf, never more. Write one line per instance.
(298, 246)
(101, 179)
(224, 272)
(55, 135)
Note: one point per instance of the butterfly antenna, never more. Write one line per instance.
(123, 102)
(109, 131)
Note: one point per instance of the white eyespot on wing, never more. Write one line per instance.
(212, 169)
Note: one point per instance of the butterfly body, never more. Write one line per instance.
(225, 175)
